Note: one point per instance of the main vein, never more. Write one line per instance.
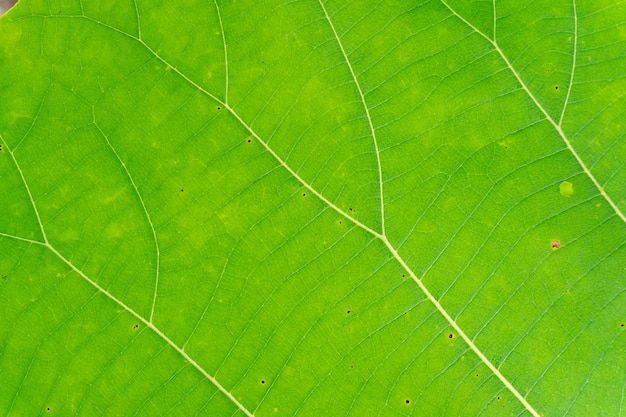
(557, 126)
(383, 239)
(367, 113)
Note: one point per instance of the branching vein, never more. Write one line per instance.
(367, 113)
(145, 210)
(155, 329)
(30, 195)
(549, 118)
(146, 322)
(381, 236)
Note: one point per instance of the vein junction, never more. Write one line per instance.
(379, 235)
(557, 126)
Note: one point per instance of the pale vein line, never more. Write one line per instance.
(30, 196)
(138, 19)
(265, 145)
(109, 295)
(367, 113)
(571, 78)
(23, 239)
(280, 161)
(145, 210)
(155, 329)
(380, 236)
(556, 126)
(300, 179)
(30, 128)
(494, 20)
(461, 333)
(238, 117)
(219, 16)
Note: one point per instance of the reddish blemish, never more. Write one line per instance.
(556, 244)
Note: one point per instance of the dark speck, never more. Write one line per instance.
(450, 336)
(348, 312)
(407, 401)
(556, 87)
(262, 381)
(621, 324)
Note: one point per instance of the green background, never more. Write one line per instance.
(303, 208)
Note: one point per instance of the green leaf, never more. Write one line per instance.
(313, 208)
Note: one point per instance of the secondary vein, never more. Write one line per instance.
(145, 211)
(367, 113)
(549, 118)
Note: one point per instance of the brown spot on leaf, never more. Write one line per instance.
(556, 244)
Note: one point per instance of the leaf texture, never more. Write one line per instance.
(313, 208)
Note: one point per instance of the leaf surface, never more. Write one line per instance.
(313, 208)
